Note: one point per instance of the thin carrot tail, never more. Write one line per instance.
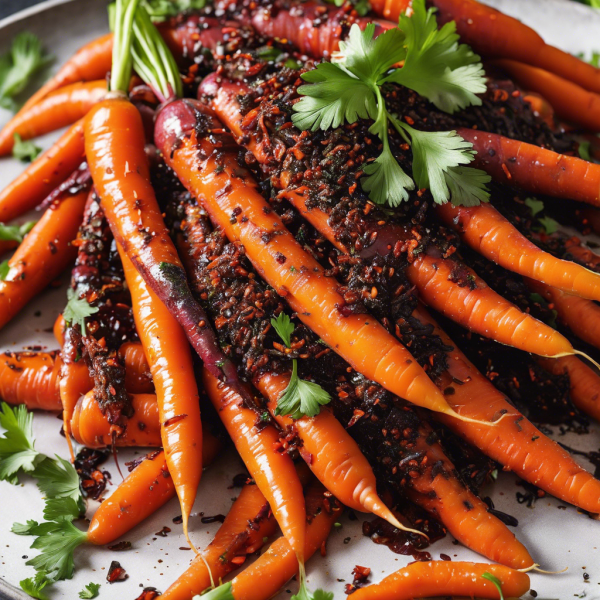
(185, 521)
(584, 355)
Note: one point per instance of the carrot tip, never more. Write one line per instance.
(584, 355)
(67, 430)
(191, 545)
(393, 521)
(453, 413)
(535, 567)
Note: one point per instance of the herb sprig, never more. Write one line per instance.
(77, 310)
(25, 150)
(495, 581)
(301, 398)
(436, 66)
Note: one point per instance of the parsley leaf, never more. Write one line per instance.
(269, 53)
(436, 66)
(17, 454)
(334, 97)
(25, 151)
(58, 479)
(15, 233)
(495, 581)
(24, 58)
(57, 544)
(4, 270)
(91, 590)
(27, 529)
(386, 181)
(549, 224)
(284, 328)
(77, 310)
(33, 586)
(536, 206)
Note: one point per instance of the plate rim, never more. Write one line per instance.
(31, 11)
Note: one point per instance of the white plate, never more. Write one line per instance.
(556, 538)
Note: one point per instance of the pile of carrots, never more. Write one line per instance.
(219, 257)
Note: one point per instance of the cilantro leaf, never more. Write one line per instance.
(535, 205)
(495, 581)
(91, 590)
(77, 310)
(386, 181)
(15, 233)
(57, 478)
(57, 544)
(34, 585)
(24, 58)
(25, 151)
(61, 509)
(284, 328)
(436, 66)
(4, 270)
(17, 453)
(467, 186)
(549, 224)
(301, 398)
(368, 58)
(334, 97)
(27, 529)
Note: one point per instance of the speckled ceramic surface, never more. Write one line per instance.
(556, 535)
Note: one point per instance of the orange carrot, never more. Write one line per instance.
(485, 230)
(92, 428)
(571, 102)
(59, 330)
(263, 578)
(218, 184)
(583, 255)
(138, 379)
(42, 256)
(514, 442)
(442, 578)
(170, 360)
(139, 495)
(272, 471)
(246, 525)
(58, 109)
(534, 169)
(541, 108)
(478, 308)
(580, 315)
(30, 378)
(497, 35)
(89, 63)
(43, 175)
(584, 382)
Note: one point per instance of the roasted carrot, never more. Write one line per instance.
(582, 254)
(43, 175)
(278, 564)
(30, 378)
(478, 308)
(534, 169)
(42, 256)
(443, 578)
(59, 329)
(138, 379)
(89, 63)
(246, 525)
(92, 428)
(541, 108)
(580, 315)
(497, 35)
(584, 382)
(58, 109)
(570, 102)
(485, 230)
(170, 361)
(142, 493)
(218, 185)
(272, 471)
(514, 442)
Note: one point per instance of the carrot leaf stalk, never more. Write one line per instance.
(25, 150)
(495, 581)
(435, 66)
(161, 10)
(222, 592)
(123, 33)
(15, 233)
(301, 398)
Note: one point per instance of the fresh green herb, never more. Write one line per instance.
(300, 398)
(25, 57)
(269, 53)
(584, 150)
(33, 586)
(550, 225)
(91, 590)
(17, 454)
(221, 592)
(28, 529)
(362, 7)
(26, 151)
(15, 233)
(77, 310)
(494, 474)
(292, 63)
(436, 66)
(536, 206)
(58, 479)
(319, 594)
(592, 3)
(537, 299)
(160, 10)
(495, 581)
(4, 270)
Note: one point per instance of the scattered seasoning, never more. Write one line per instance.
(178, 520)
(93, 480)
(445, 557)
(163, 532)
(148, 593)
(116, 572)
(213, 519)
(120, 546)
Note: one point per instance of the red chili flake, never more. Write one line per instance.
(163, 532)
(148, 593)
(360, 574)
(116, 572)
